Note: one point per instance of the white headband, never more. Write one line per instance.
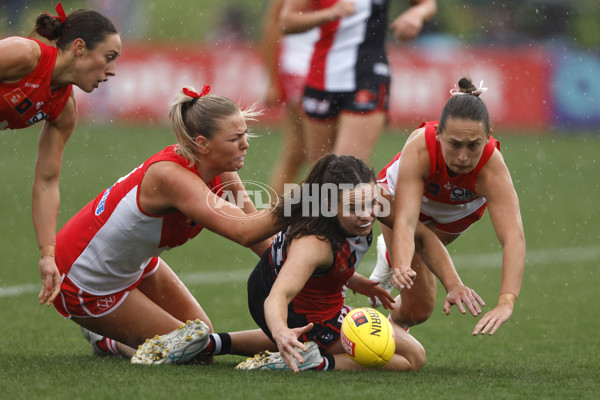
(456, 91)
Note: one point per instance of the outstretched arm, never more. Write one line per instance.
(495, 184)
(412, 171)
(371, 289)
(305, 255)
(167, 186)
(232, 181)
(45, 196)
(437, 259)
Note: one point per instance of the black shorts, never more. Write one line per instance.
(318, 104)
(324, 333)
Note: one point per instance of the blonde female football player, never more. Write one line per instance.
(447, 174)
(114, 283)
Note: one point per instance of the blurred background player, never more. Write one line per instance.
(446, 175)
(347, 91)
(114, 283)
(36, 78)
(287, 58)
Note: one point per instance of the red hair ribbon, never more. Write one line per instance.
(191, 93)
(61, 13)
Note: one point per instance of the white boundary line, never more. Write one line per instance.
(571, 255)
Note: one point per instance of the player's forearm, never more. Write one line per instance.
(275, 314)
(437, 259)
(297, 22)
(45, 203)
(513, 268)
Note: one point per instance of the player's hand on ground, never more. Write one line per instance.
(492, 320)
(403, 277)
(461, 296)
(407, 26)
(50, 280)
(287, 343)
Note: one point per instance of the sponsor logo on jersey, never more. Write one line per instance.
(460, 194)
(100, 206)
(32, 85)
(39, 116)
(18, 101)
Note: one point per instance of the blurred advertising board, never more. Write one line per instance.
(527, 88)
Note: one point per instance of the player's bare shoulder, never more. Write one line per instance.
(18, 57)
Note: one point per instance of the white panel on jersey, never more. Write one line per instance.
(297, 50)
(340, 70)
(446, 213)
(118, 253)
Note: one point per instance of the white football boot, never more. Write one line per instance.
(177, 347)
(272, 360)
(93, 339)
(382, 272)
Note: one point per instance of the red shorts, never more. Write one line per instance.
(458, 226)
(292, 87)
(74, 302)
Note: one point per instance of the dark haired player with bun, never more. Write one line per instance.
(36, 78)
(447, 174)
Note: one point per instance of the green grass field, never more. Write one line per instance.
(548, 350)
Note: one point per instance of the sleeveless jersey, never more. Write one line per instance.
(105, 247)
(351, 49)
(29, 100)
(446, 198)
(295, 52)
(322, 297)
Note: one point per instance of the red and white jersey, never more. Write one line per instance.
(446, 198)
(105, 247)
(350, 49)
(29, 100)
(322, 297)
(296, 51)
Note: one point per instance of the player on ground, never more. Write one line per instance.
(114, 283)
(36, 79)
(446, 175)
(296, 292)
